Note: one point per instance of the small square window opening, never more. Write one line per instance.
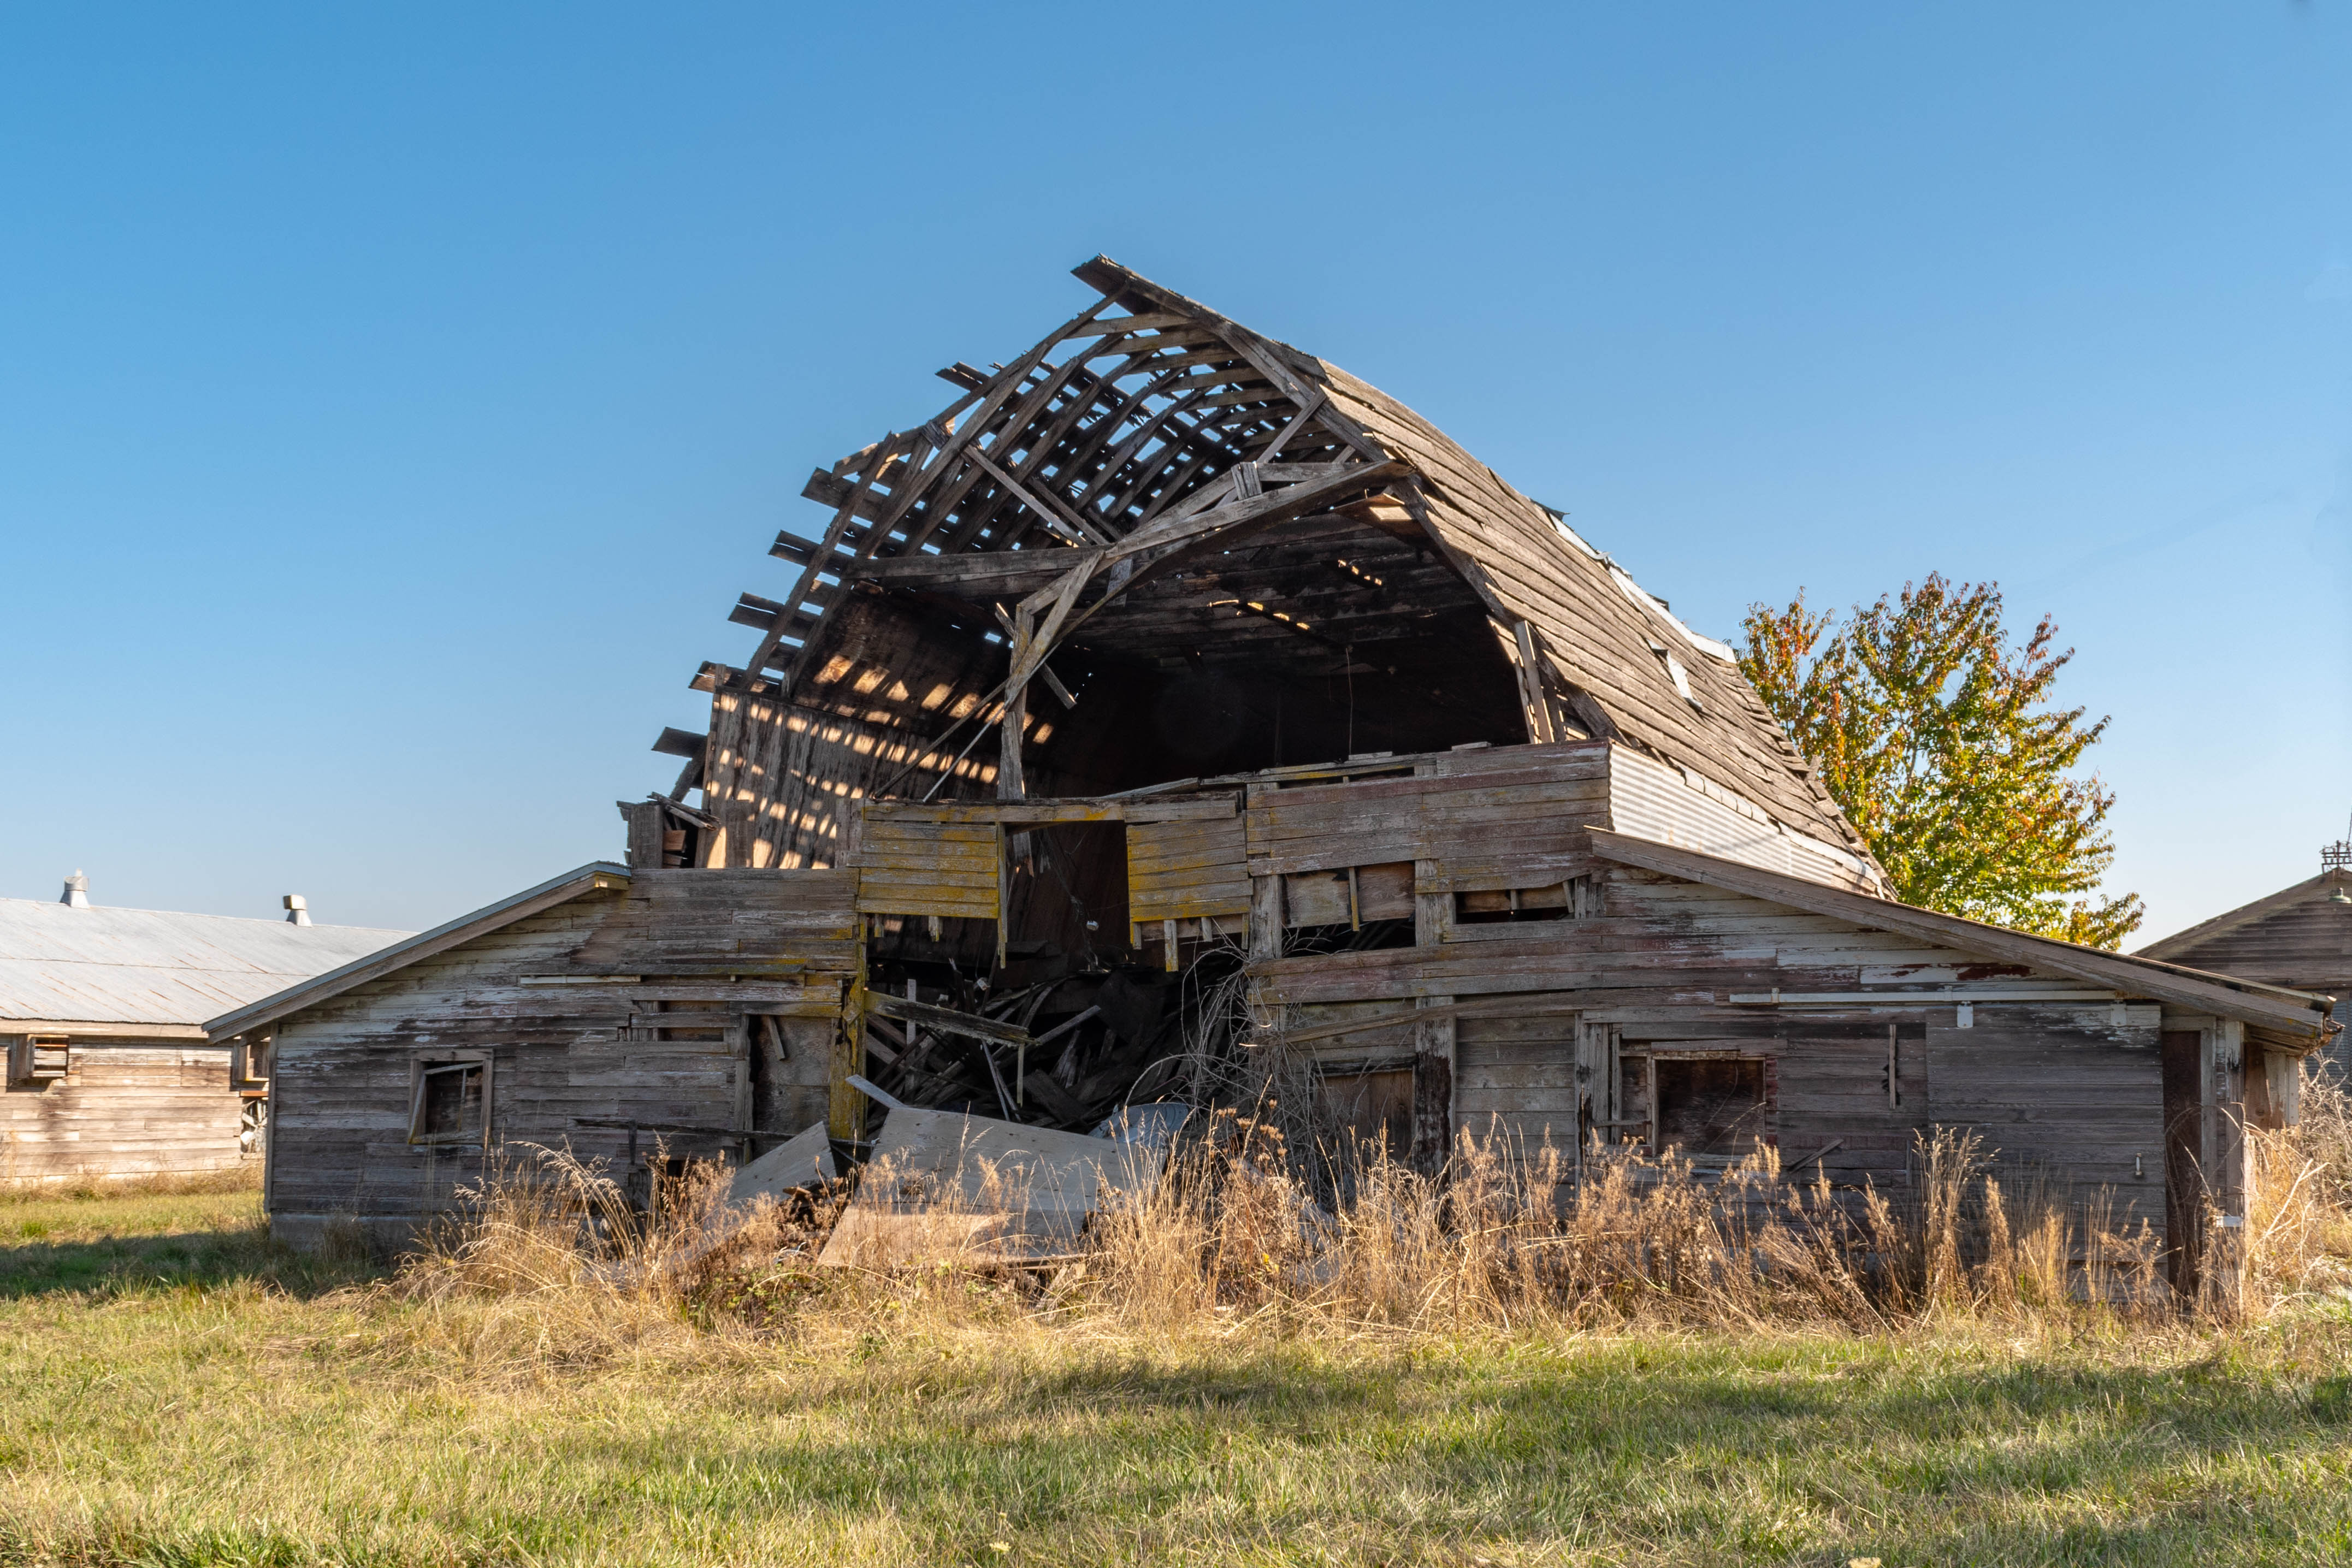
(451, 1104)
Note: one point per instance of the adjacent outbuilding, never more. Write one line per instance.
(2299, 937)
(110, 1074)
(633, 1017)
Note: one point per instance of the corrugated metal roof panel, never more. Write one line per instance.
(154, 965)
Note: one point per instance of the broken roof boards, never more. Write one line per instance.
(1210, 552)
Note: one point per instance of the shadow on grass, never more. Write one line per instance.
(1836, 1455)
(208, 1260)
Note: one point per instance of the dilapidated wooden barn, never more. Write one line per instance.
(1172, 698)
(111, 1074)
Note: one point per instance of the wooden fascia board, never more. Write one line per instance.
(2245, 915)
(1033, 813)
(590, 878)
(2293, 1012)
(103, 1028)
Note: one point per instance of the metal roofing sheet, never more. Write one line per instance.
(97, 965)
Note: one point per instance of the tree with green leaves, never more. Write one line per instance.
(1934, 731)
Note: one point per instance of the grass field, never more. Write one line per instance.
(174, 1390)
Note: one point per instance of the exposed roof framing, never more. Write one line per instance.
(1154, 481)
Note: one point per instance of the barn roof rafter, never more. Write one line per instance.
(1162, 482)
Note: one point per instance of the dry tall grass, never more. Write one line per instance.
(550, 1258)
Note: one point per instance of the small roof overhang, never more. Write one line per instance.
(594, 877)
(2273, 1007)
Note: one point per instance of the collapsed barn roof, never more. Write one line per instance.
(1156, 511)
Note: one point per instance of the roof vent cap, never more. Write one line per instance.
(77, 893)
(298, 910)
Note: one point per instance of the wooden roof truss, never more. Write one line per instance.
(1235, 502)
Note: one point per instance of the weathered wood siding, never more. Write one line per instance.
(954, 870)
(1187, 869)
(124, 1108)
(2078, 1096)
(1515, 1078)
(2069, 1088)
(588, 1011)
(1833, 1091)
(697, 921)
(1511, 816)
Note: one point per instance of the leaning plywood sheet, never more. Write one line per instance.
(805, 1159)
(942, 1185)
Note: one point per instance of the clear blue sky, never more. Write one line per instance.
(394, 399)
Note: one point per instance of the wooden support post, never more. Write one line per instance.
(1596, 1084)
(1433, 1089)
(2225, 1161)
(747, 1027)
(845, 1116)
(1003, 890)
(1009, 783)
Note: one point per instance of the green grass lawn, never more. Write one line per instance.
(175, 1391)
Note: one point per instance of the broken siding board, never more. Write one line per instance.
(944, 869)
(1181, 870)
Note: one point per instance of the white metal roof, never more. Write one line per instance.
(97, 965)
